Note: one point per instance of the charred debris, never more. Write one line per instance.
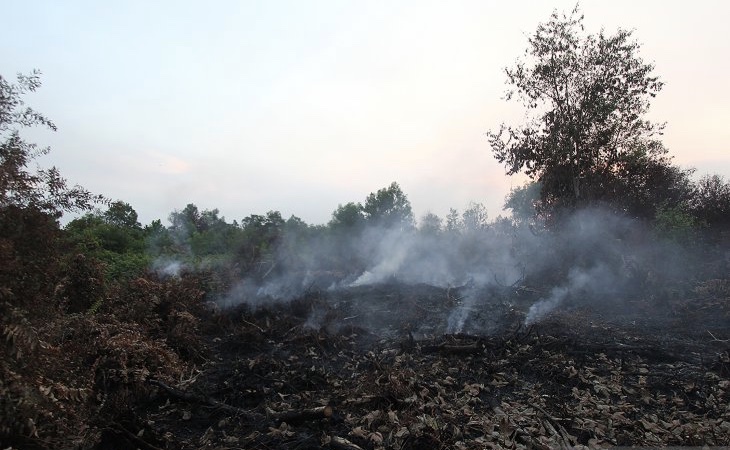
(377, 366)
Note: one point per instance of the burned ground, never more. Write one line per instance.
(376, 367)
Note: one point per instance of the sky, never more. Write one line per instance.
(299, 106)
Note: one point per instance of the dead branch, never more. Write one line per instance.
(339, 443)
(464, 349)
(293, 417)
(138, 441)
(364, 400)
(513, 285)
(188, 397)
(556, 426)
(714, 339)
(290, 417)
(273, 264)
(253, 325)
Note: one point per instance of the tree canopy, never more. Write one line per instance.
(43, 189)
(347, 216)
(587, 96)
(389, 207)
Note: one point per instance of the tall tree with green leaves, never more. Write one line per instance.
(711, 201)
(389, 207)
(521, 201)
(348, 217)
(586, 97)
(113, 237)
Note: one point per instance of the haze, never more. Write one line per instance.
(301, 106)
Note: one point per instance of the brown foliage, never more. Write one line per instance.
(168, 309)
(67, 377)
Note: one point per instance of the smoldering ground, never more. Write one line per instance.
(473, 280)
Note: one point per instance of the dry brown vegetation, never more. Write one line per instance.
(163, 372)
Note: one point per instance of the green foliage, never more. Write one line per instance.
(675, 224)
(347, 217)
(710, 202)
(193, 234)
(474, 219)
(113, 237)
(204, 242)
(159, 239)
(389, 207)
(587, 138)
(644, 184)
(260, 235)
(523, 201)
(187, 220)
(122, 215)
(213, 235)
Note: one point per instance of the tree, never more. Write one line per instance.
(260, 235)
(522, 201)
(43, 189)
(113, 237)
(453, 221)
(187, 221)
(347, 217)
(389, 207)
(586, 96)
(710, 202)
(30, 201)
(474, 218)
(37, 279)
(122, 214)
(430, 223)
(643, 186)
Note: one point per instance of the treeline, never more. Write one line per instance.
(117, 248)
(198, 240)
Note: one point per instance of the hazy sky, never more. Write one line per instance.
(299, 106)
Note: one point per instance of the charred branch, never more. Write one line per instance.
(192, 398)
(339, 443)
(303, 415)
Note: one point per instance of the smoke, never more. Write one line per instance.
(167, 267)
(588, 284)
(595, 260)
(392, 251)
(376, 255)
(457, 319)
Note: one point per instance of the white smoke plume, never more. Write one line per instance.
(595, 259)
(577, 280)
(167, 267)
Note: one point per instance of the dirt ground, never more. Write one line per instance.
(418, 367)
